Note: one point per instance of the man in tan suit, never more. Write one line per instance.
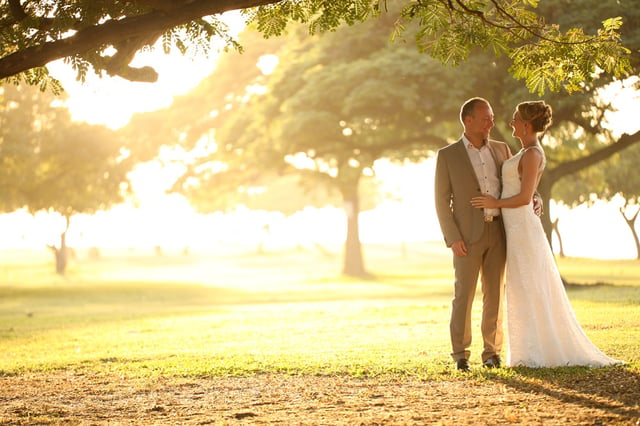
(465, 169)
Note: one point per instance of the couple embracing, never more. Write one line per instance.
(488, 213)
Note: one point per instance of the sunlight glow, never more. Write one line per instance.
(268, 63)
(156, 218)
(623, 97)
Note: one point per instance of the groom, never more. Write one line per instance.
(465, 169)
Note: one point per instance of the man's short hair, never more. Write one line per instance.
(469, 106)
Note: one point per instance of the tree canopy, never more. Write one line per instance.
(340, 101)
(50, 163)
(105, 35)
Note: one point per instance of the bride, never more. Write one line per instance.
(542, 327)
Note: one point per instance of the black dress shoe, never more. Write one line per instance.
(492, 362)
(463, 365)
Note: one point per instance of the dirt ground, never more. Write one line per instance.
(74, 398)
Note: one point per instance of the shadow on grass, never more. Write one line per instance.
(611, 389)
(603, 292)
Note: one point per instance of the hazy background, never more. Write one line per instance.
(168, 221)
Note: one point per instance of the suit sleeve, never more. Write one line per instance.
(443, 201)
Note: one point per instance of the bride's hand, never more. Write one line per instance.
(484, 202)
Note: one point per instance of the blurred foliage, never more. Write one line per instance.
(622, 177)
(339, 101)
(622, 180)
(105, 36)
(49, 163)
(576, 188)
(102, 36)
(540, 53)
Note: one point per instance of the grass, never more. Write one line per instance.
(289, 312)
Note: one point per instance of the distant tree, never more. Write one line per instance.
(338, 102)
(577, 188)
(607, 180)
(583, 155)
(335, 105)
(105, 35)
(623, 180)
(49, 163)
(342, 102)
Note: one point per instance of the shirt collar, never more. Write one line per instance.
(469, 145)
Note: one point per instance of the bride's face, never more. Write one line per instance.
(518, 126)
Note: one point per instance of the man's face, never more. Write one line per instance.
(479, 124)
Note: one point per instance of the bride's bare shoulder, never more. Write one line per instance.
(534, 150)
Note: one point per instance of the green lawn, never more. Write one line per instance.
(291, 312)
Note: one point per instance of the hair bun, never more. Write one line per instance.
(538, 113)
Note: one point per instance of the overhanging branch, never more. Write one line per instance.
(113, 32)
(574, 166)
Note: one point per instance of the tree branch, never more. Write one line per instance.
(118, 64)
(113, 31)
(17, 11)
(19, 15)
(574, 166)
(528, 28)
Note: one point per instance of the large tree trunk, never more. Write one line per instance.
(353, 260)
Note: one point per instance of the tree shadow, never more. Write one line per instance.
(604, 292)
(615, 390)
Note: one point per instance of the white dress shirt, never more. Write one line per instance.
(484, 165)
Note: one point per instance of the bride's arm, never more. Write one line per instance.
(530, 163)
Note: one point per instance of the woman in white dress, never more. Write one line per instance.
(542, 327)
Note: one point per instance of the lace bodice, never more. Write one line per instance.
(510, 175)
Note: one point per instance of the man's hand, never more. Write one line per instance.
(459, 248)
(537, 205)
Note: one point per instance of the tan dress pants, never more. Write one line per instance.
(485, 258)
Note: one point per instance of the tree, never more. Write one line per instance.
(577, 188)
(618, 178)
(105, 35)
(606, 181)
(49, 163)
(338, 103)
(335, 105)
(622, 180)
(251, 139)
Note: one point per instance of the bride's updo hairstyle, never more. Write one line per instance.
(538, 113)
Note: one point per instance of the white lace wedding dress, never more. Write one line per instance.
(542, 327)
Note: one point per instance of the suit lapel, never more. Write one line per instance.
(465, 162)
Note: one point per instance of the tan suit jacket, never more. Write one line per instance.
(455, 184)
